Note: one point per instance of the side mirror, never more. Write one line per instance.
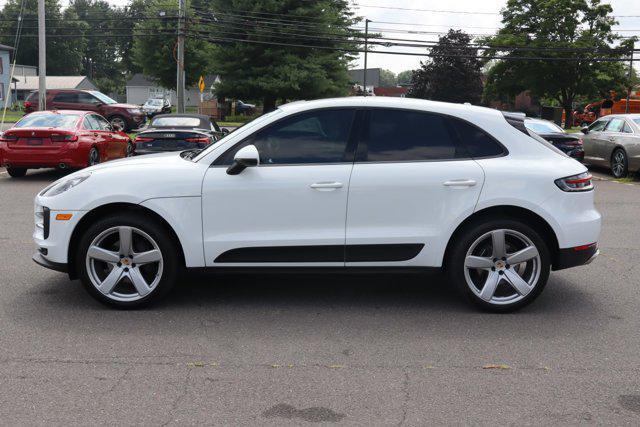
(116, 127)
(225, 131)
(245, 157)
(585, 130)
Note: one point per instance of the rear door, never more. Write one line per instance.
(410, 183)
(64, 101)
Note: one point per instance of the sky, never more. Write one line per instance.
(479, 17)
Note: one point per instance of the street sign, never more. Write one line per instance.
(201, 84)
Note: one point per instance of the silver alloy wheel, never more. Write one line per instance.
(124, 263)
(94, 157)
(617, 166)
(118, 121)
(502, 266)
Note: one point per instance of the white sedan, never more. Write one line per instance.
(335, 184)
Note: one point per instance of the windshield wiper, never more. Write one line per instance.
(190, 154)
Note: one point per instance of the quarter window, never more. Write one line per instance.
(102, 122)
(310, 138)
(400, 135)
(90, 123)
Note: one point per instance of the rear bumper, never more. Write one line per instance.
(573, 257)
(33, 158)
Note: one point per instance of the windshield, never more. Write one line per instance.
(155, 102)
(60, 121)
(102, 97)
(175, 121)
(543, 127)
(255, 122)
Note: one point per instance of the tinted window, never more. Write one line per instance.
(61, 121)
(66, 97)
(85, 98)
(477, 142)
(398, 135)
(598, 125)
(309, 138)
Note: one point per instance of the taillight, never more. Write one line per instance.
(8, 138)
(57, 137)
(574, 183)
(142, 139)
(28, 104)
(199, 139)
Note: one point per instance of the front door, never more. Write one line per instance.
(411, 182)
(594, 142)
(290, 209)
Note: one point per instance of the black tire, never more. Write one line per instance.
(463, 241)
(16, 172)
(619, 163)
(130, 150)
(171, 260)
(117, 119)
(94, 156)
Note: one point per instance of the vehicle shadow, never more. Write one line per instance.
(38, 175)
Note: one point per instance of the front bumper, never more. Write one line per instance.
(573, 257)
(39, 259)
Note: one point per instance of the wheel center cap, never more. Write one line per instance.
(126, 261)
(500, 265)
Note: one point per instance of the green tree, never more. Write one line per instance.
(64, 54)
(388, 79)
(155, 56)
(404, 77)
(256, 57)
(553, 29)
(453, 74)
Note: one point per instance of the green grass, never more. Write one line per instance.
(12, 116)
(629, 179)
(235, 124)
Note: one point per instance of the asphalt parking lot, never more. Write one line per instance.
(352, 350)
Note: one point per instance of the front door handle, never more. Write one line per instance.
(326, 186)
(460, 183)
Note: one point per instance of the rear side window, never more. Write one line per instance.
(90, 123)
(399, 135)
(66, 97)
(477, 142)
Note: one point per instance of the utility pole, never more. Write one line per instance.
(366, 46)
(633, 48)
(42, 58)
(180, 73)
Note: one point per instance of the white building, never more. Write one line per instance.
(140, 88)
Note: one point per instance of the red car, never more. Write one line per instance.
(61, 139)
(124, 116)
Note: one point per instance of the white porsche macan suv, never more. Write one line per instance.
(335, 184)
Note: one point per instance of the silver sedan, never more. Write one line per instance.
(614, 141)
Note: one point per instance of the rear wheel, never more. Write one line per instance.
(127, 260)
(619, 163)
(94, 157)
(16, 172)
(499, 265)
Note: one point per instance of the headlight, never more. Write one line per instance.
(65, 185)
(133, 110)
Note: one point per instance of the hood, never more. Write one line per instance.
(165, 159)
(124, 106)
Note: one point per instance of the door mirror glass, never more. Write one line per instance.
(585, 130)
(116, 127)
(245, 157)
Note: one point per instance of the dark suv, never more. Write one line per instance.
(124, 116)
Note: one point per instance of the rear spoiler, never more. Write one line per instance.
(517, 121)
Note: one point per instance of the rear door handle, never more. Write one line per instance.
(460, 183)
(326, 186)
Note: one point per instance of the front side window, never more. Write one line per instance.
(102, 122)
(85, 98)
(309, 138)
(598, 126)
(399, 135)
(90, 123)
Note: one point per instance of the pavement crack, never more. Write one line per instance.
(405, 400)
(179, 398)
(119, 380)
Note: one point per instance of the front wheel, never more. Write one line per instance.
(499, 265)
(129, 150)
(127, 260)
(619, 163)
(94, 157)
(16, 172)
